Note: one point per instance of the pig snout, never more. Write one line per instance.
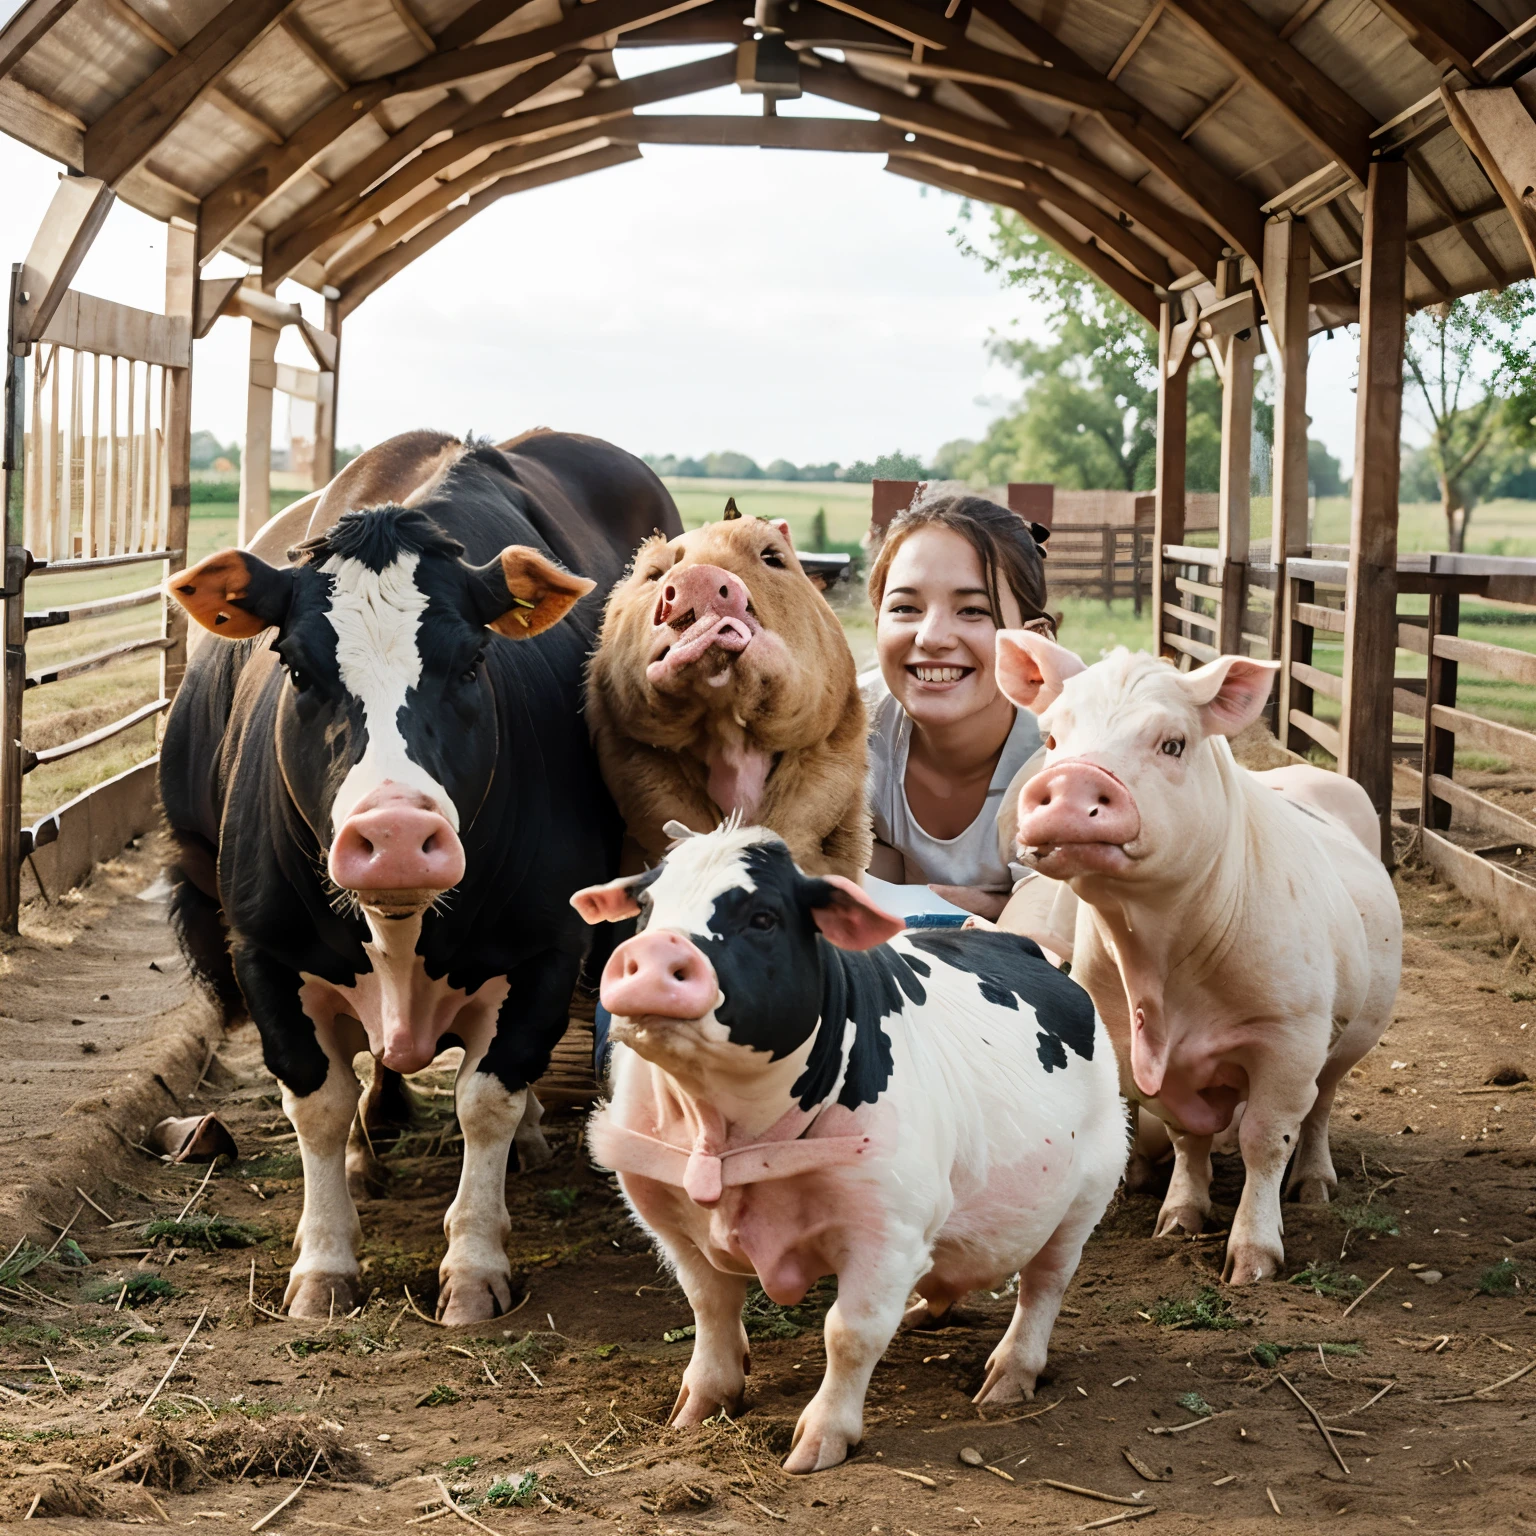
(396, 847)
(1076, 804)
(659, 975)
(701, 607)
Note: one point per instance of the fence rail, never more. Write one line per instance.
(1105, 561)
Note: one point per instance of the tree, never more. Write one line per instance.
(1088, 416)
(1325, 476)
(1470, 367)
(731, 466)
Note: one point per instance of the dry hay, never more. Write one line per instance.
(56, 1490)
(235, 1447)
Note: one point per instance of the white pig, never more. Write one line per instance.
(799, 1092)
(1238, 933)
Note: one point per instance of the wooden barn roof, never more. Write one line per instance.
(333, 141)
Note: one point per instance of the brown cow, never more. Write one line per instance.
(723, 683)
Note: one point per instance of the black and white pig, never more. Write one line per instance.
(799, 1092)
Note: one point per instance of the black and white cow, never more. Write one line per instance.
(798, 1092)
(384, 793)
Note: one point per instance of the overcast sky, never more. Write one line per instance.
(779, 303)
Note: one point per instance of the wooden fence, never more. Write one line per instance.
(97, 400)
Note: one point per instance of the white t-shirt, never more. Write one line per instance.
(973, 857)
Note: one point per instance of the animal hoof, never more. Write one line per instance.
(474, 1296)
(1007, 1382)
(320, 1294)
(367, 1178)
(1312, 1191)
(1177, 1220)
(533, 1151)
(818, 1446)
(695, 1404)
(1250, 1262)
(920, 1315)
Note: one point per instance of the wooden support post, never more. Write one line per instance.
(13, 635)
(1172, 446)
(256, 453)
(180, 299)
(325, 408)
(1370, 626)
(1295, 646)
(1440, 688)
(1234, 510)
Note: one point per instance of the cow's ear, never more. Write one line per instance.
(1031, 668)
(522, 592)
(848, 915)
(1230, 692)
(782, 525)
(234, 593)
(610, 903)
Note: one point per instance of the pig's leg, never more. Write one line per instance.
(1280, 1097)
(1188, 1201)
(862, 1322)
(717, 1370)
(1019, 1358)
(1150, 1149)
(1312, 1179)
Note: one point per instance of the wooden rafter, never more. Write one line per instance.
(837, 134)
(28, 27)
(1424, 174)
(1070, 81)
(354, 257)
(1138, 37)
(412, 24)
(373, 276)
(1207, 112)
(1062, 155)
(1137, 294)
(1454, 32)
(128, 131)
(483, 128)
(1497, 127)
(1324, 113)
(312, 49)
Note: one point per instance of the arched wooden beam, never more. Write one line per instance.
(1455, 32)
(378, 272)
(1137, 294)
(1197, 244)
(1228, 206)
(352, 258)
(306, 232)
(28, 27)
(1324, 113)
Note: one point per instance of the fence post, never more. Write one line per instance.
(1295, 645)
(1138, 543)
(12, 626)
(1440, 688)
(1174, 337)
(180, 296)
(256, 450)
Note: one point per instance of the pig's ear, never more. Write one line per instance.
(610, 903)
(522, 592)
(1031, 668)
(233, 593)
(1229, 692)
(782, 524)
(848, 916)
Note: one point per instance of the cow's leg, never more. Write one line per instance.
(532, 1148)
(387, 1107)
(320, 1091)
(1016, 1363)
(717, 1370)
(475, 1279)
(1281, 1095)
(871, 1297)
(1188, 1201)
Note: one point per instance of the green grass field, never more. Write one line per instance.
(62, 711)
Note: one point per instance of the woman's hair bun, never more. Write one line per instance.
(1040, 534)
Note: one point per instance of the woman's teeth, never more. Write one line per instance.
(940, 674)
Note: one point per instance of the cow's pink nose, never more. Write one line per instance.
(396, 847)
(1076, 802)
(697, 590)
(659, 974)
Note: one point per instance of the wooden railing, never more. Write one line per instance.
(95, 404)
(1101, 560)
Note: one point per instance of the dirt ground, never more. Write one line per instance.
(552, 1419)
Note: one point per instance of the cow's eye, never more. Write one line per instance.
(471, 672)
(1174, 747)
(764, 922)
(298, 679)
(772, 557)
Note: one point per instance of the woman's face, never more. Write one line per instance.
(935, 630)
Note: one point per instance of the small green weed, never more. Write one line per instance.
(1522, 994)
(513, 1492)
(1503, 1279)
(22, 1262)
(305, 1347)
(141, 1287)
(201, 1231)
(1196, 1404)
(527, 1348)
(273, 1165)
(605, 1351)
(437, 1397)
(71, 1255)
(462, 1464)
(1368, 1218)
(677, 1335)
(561, 1201)
(1269, 1355)
(1326, 1280)
(1209, 1309)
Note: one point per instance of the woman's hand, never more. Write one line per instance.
(972, 898)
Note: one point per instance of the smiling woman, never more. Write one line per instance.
(944, 741)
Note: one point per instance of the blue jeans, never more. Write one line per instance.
(600, 1043)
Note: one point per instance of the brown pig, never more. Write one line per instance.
(723, 683)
